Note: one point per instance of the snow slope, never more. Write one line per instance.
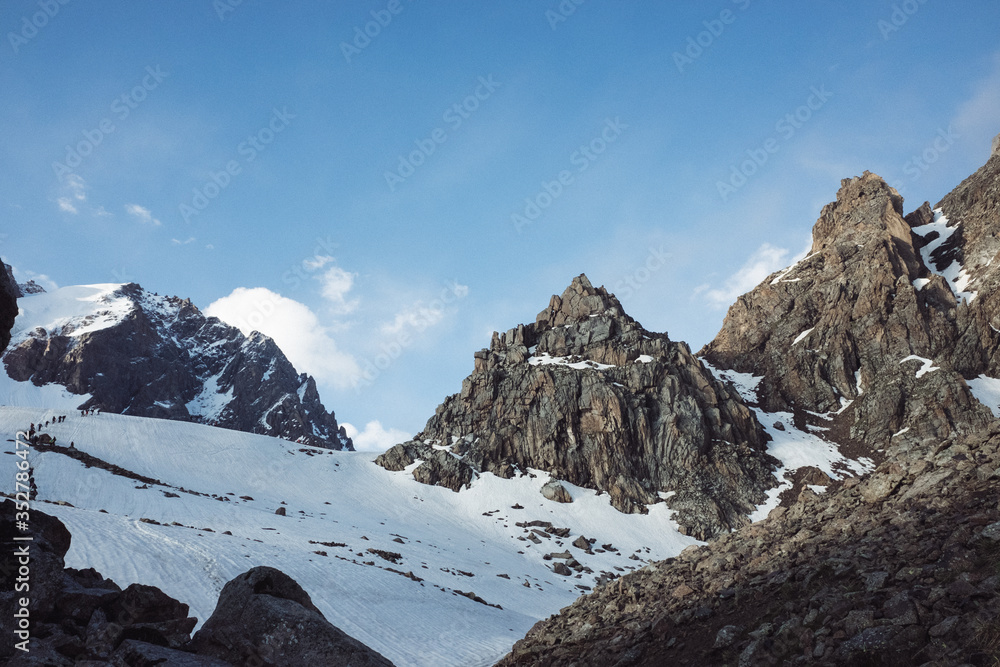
(795, 448)
(452, 541)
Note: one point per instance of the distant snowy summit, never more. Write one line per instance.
(122, 349)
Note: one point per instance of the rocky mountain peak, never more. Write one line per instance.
(865, 205)
(995, 150)
(578, 302)
(587, 395)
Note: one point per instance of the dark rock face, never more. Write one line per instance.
(9, 294)
(165, 359)
(904, 576)
(78, 614)
(846, 323)
(264, 617)
(588, 395)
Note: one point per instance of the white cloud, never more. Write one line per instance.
(190, 239)
(66, 205)
(418, 316)
(40, 278)
(977, 117)
(375, 437)
(316, 263)
(422, 315)
(294, 327)
(73, 191)
(765, 261)
(336, 283)
(143, 214)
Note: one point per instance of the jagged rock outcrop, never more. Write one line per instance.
(137, 353)
(588, 395)
(9, 294)
(79, 617)
(264, 617)
(883, 326)
(848, 329)
(30, 287)
(900, 568)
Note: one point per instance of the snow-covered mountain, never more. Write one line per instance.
(421, 574)
(122, 349)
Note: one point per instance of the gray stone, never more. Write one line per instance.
(555, 491)
(264, 615)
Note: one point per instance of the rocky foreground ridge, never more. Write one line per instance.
(138, 353)
(900, 568)
(77, 617)
(880, 335)
(589, 396)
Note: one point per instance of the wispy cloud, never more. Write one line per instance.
(190, 239)
(142, 214)
(977, 116)
(72, 193)
(766, 260)
(336, 284)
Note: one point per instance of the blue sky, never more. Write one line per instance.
(383, 202)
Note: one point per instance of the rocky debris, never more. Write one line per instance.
(264, 616)
(908, 576)
(995, 149)
(556, 492)
(30, 287)
(582, 543)
(281, 511)
(589, 396)
(9, 294)
(846, 330)
(165, 359)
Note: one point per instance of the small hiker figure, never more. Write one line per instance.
(71, 445)
(98, 411)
